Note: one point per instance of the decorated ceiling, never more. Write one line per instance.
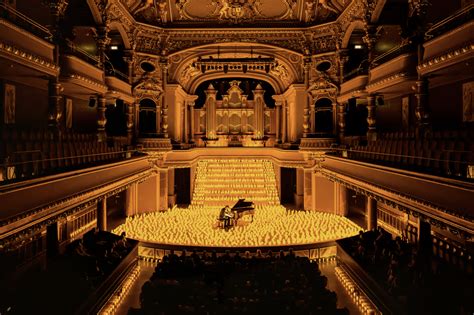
(235, 12)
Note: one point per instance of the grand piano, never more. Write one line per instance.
(240, 209)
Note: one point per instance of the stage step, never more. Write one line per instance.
(221, 182)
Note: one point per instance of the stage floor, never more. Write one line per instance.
(271, 226)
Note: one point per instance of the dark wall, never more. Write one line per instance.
(446, 106)
(31, 105)
(288, 185)
(182, 180)
(389, 115)
(84, 117)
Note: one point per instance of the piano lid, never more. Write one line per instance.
(243, 205)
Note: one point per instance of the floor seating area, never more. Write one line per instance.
(445, 153)
(238, 283)
(418, 281)
(71, 277)
(32, 153)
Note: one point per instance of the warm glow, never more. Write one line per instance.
(272, 225)
(221, 182)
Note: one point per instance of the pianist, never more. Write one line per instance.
(227, 216)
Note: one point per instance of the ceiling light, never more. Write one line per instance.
(114, 47)
(358, 46)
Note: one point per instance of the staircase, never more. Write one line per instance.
(221, 182)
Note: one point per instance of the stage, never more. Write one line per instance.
(271, 226)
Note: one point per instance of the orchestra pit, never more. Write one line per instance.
(214, 157)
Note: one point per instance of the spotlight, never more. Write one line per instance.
(91, 101)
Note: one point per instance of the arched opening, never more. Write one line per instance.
(147, 118)
(323, 117)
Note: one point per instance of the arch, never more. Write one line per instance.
(95, 11)
(377, 11)
(236, 44)
(115, 25)
(357, 24)
(323, 102)
(324, 116)
(147, 116)
(249, 75)
(286, 69)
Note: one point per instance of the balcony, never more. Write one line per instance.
(25, 41)
(117, 83)
(450, 45)
(395, 73)
(354, 87)
(29, 202)
(81, 77)
(446, 201)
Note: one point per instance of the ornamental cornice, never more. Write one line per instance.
(389, 80)
(32, 60)
(85, 82)
(438, 216)
(446, 58)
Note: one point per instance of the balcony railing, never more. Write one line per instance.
(117, 74)
(457, 19)
(18, 18)
(82, 54)
(392, 53)
(356, 72)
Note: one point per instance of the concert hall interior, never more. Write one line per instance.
(236, 157)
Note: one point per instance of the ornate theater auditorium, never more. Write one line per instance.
(236, 156)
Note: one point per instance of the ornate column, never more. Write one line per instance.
(371, 208)
(185, 122)
(129, 119)
(57, 9)
(284, 119)
(259, 112)
(159, 115)
(371, 120)
(131, 200)
(102, 214)
(211, 93)
(342, 59)
(278, 120)
(164, 105)
(101, 120)
(129, 58)
(370, 39)
(136, 111)
(341, 120)
(421, 110)
(312, 115)
(54, 104)
(191, 122)
(343, 200)
(306, 111)
(102, 40)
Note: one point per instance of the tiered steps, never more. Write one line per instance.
(221, 182)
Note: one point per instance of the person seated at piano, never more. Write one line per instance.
(227, 216)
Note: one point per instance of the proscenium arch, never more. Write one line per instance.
(218, 75)
(235, 44)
